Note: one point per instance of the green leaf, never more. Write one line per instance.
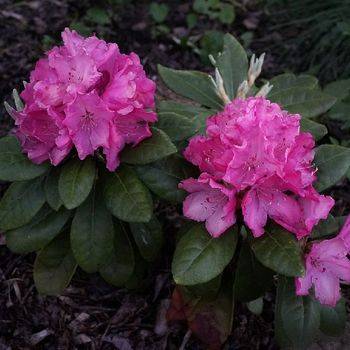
(232, 65)
(14, 165)
(175, 125)
(208, 290)
(308, 103)
(340, 111)
(44, 227)
(20, 203)
(287, 81)
(194, 85)
(297, 319)
(51, 189)
(163, 177)
(54, 266)
(256, 306)
(148, 237)
(159, 12)
(252, 279)
(333, 320)
(126, 197)
(154, 148)
(191, 20)
(76, 181)
(180, 121)
(332, 162)
(211, 43)
(340, 89)
(227, 13)
(317, 130)
(199, 257)
(98, 15)
(278, 250)
(325, 227)
(92, 233)
(120, 265)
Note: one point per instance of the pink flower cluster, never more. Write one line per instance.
(326, 265)
(85, 94)
(254, 157)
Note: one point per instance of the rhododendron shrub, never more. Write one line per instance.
(256, 208)
(83, 131)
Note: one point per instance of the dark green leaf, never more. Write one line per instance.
(308, 103)
(232, 65)
(285, 82)
(252, 279)
(297, 319)
(325, 227)
(154, 148)
(44, 227)
(126, 197)
(181, 121)
(340, 89)
(211, 43)
(332, 162)
(340, 111)
(92, 233)
(148, 237)
(208, 290)
(333, 320)
(194, 85)
(119, 266)
(163, 177)
(51, 189)
(76, 181)
(176, 126)
(54, 267)
(20, 203)
(14, 165)
(158, 12)
(98, 15)
(227, 13)
(199, 257)
(317, 130)
(278, 250)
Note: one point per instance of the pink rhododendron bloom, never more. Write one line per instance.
(326, 266)
(85, 95)
(210, 202)
(256, 149)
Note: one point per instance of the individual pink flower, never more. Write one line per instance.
(88, 96)
(296, 214)
(210, 202)
(87, 121)
(256, 149)
(327, 266)
(37, 131)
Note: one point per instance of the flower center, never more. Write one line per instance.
(87, 121)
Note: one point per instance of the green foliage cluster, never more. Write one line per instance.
(321, 43)
(254, 265)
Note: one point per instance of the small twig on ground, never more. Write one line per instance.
(185, 340)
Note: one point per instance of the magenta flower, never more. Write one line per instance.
(85, 95)
(327, 266)
(256, 150)
(210, 202)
